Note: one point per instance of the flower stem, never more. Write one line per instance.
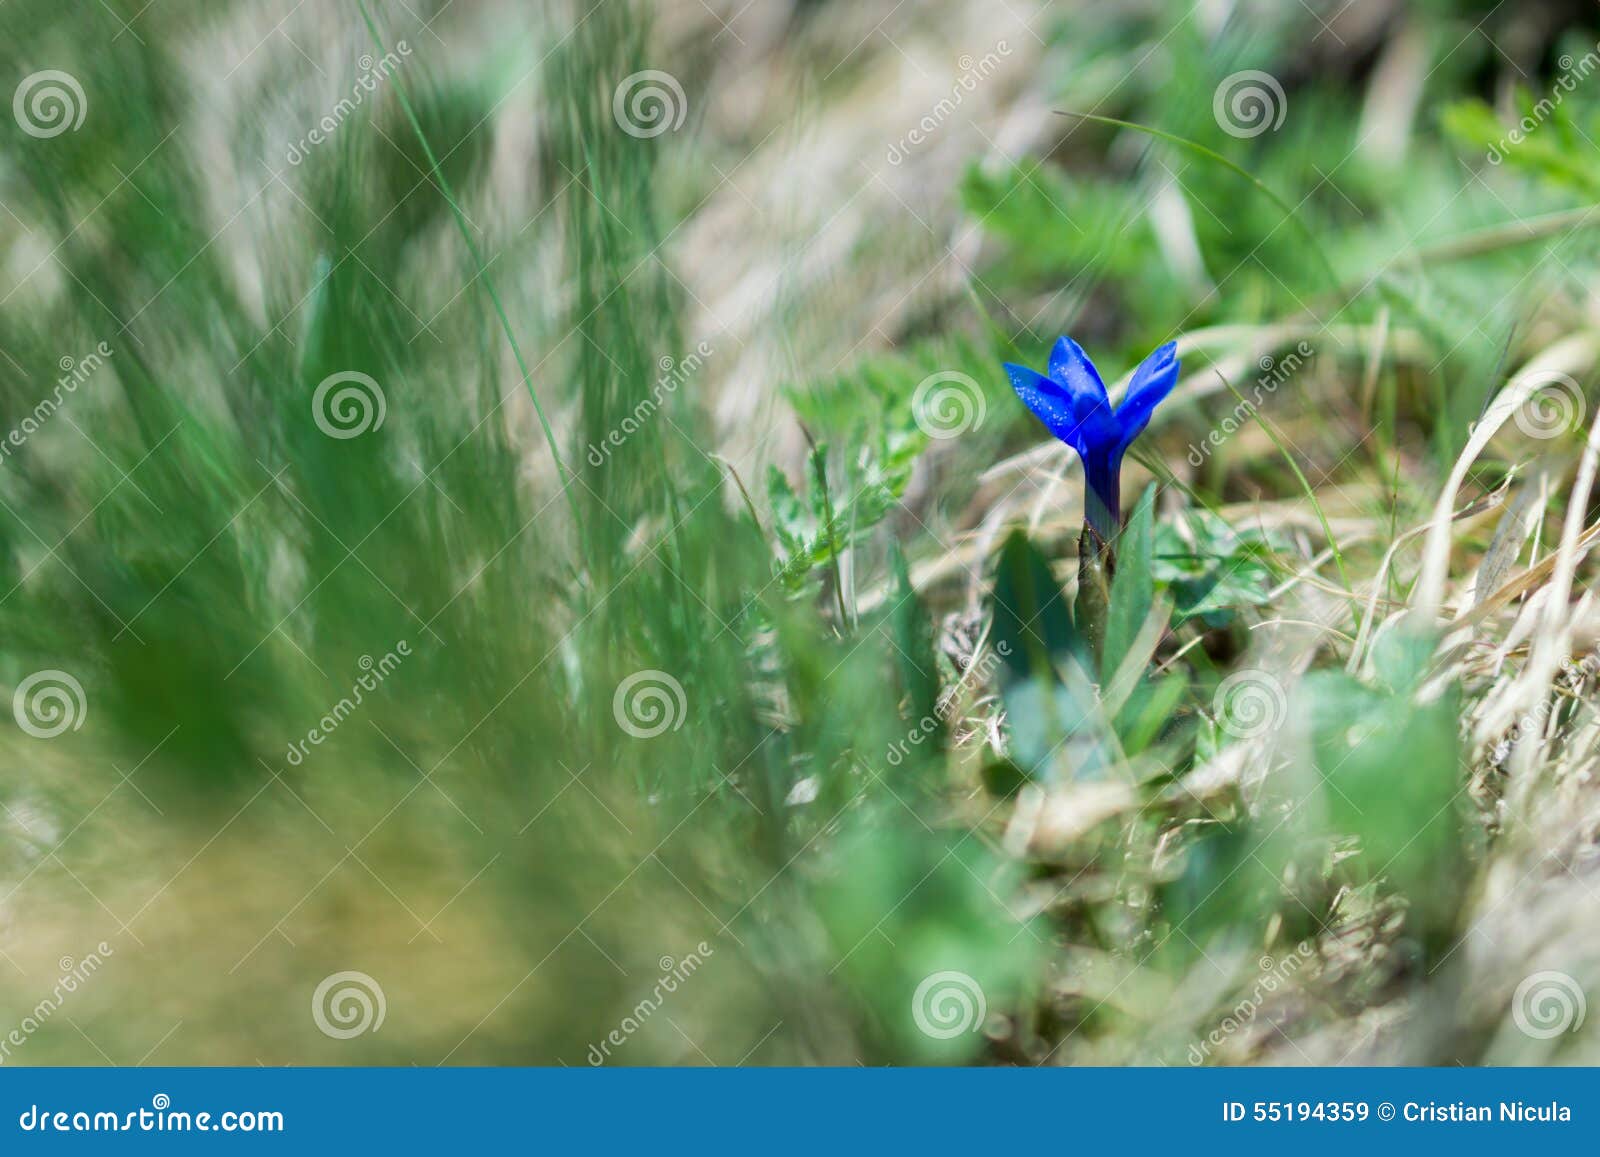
(1096, 565)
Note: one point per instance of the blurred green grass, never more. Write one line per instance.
(498, 834)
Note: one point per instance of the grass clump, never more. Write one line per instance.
(470, 558)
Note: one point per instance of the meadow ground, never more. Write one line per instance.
(517, 546)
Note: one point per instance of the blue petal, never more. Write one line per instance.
(1152, 382)
(1048, 401)
(1094, 427)
(1093, 424)
(1082, 421)
(1102, 498)
(1071, 367)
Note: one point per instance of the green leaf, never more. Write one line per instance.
(913, 644)
(1133, 590)
(1210, 568)
(1050, 724)
(788, 516)
(1031, 614)
(813, 530)
(1147, 711)
(1393, 776)
(1003, 778)
(1228, 884)
(1558, 151)
(908, 908)
(1042, 718)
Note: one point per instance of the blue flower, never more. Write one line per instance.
(1071, 401)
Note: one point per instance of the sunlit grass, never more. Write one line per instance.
(787, 682)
